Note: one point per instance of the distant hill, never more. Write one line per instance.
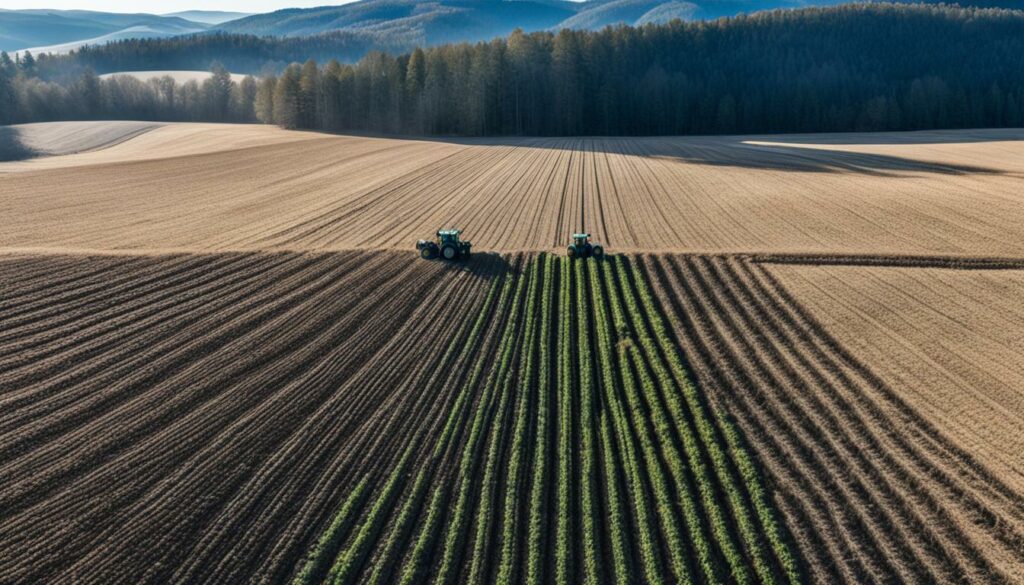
(437, 21)
(389, 22)
(433, 22)
(251, 44)
(595, 15)
(209, 16)
(61, 30)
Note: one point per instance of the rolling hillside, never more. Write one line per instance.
(472, 20)
(42, 30)
(209, 16)
(434, 22)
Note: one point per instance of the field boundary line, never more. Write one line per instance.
(885, 260)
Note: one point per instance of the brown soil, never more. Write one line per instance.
(208, 338)
(871, 488)
(255, 187)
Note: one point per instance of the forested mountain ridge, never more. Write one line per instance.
(434, 22)
(23, 29)
(845, 68)
(122, 42)
(440, 21)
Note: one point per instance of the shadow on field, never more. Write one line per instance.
(11, 146)
(915, 137)
(783, 152)
(482, 265)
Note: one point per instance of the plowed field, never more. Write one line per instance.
(259, 188)
(871, 488)
(221, 362)
(950, 339)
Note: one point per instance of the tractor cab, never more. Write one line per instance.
(447, 246)
(448, 237)
(582, 248)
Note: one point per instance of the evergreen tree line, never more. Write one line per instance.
(852, 67)
(239, 53)
(25, 97)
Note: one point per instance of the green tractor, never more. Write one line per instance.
(447, 246)
(582, 248)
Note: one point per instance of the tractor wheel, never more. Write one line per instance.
(571, 252)
(598, 252)
(428, 253)
(449, 252)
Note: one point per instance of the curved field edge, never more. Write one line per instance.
(24, 141)
(578, 417)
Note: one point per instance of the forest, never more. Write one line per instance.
(855, 67)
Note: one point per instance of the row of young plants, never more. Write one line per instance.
(458, 512)
(326, 563)
(632, 278)
(539, 485)
(576, 442)
(679, 428)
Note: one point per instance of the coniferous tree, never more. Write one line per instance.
(27, 63)
(412, 96)
(89, 92)
(265, 100)
(287, 97)
(217, 93)
(8, 103)
(309, 95)
(330, 97)
(243, 99)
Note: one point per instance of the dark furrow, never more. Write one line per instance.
(924, 514)
(735, 389)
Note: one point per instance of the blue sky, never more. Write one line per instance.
(165, 6)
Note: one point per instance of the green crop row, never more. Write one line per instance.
(588, 448)
(456, 529)
(650, 483)
(563, 537)
(416, 560)
(706, 427)
(351, 560)
(684, 426)
(645, 529)
(315, 564)
(410, 509)
(666, 508)
(510, 514)
(538, 483)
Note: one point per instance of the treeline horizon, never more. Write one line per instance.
(239, 53)
(858, 67)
